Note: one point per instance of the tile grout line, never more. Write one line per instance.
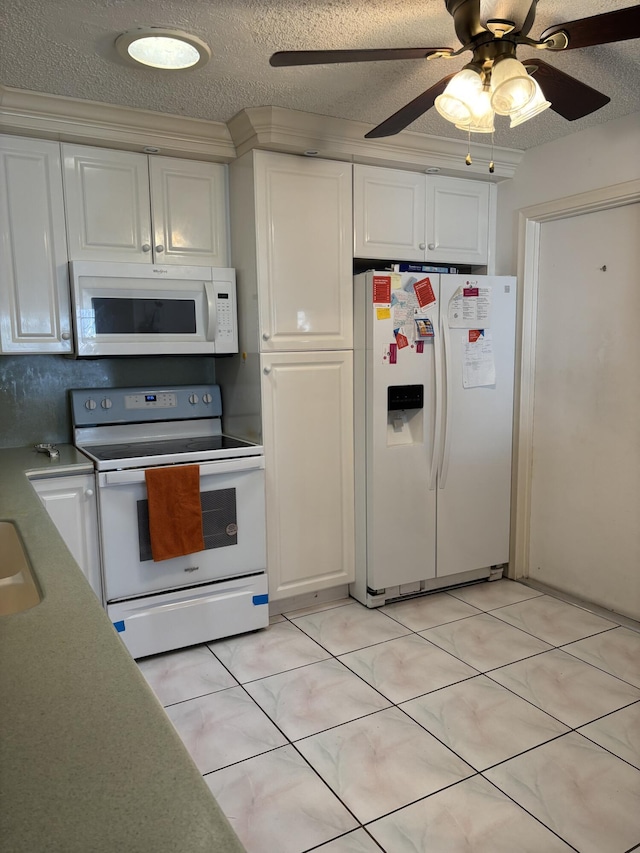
(410, 631)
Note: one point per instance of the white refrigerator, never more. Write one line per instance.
(433, 379)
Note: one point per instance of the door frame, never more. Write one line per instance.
(529, 227)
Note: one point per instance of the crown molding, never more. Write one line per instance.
(91, 122)
(272, 128)
(295, 132)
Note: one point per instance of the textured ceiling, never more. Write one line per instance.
(66, 47)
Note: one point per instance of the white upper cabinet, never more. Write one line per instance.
(304, 259)
(108, 209)
(457, 220)
(389, 214)
(34, 284)
(189, 212)
(406, 216)
(123, 206)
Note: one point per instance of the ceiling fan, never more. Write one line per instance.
(494, 80)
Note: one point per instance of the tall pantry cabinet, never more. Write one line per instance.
(291, 385)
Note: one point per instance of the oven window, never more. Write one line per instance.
(125, 316)
(219, 521)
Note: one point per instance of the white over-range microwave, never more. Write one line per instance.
(141, 309)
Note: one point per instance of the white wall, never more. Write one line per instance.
(597, 157)
(601, 156)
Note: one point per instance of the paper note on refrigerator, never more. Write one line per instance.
(478, 363)
(470, 307)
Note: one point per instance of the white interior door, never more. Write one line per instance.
(585, 501)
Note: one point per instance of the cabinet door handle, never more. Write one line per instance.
(89, 493)
(159, 248)
(432, 246)
(266, 371)
(65, 336)
(265, 336)
(146, 247)
(422, 245)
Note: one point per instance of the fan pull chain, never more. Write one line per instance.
(492, 166)
(468, 159)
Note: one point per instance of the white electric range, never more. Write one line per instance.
(214, 593)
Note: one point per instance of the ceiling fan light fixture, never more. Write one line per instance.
(156, 47)
(482, 115)
(512, 89)
(455, 104)
(533, 108)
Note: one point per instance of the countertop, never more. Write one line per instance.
(89, 761)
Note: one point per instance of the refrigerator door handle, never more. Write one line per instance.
(437, 433)
(446, 346)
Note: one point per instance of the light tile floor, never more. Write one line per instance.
(489, 719)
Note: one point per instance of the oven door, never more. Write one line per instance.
(233, 504)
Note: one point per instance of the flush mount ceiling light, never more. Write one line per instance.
(158, 47)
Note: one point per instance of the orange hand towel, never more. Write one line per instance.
(175, 513)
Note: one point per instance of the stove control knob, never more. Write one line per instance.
(207, 398)
(106, 403)
(90, 404)
(193, 399)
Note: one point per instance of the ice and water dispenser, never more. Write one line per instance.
(405, 405)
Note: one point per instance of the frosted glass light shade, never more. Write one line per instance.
(511, 87)
(160, 48)
(455, 103)
(481, 120)
(533, 108)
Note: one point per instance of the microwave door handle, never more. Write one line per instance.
(212, 314)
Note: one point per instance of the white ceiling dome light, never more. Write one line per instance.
(158, 47)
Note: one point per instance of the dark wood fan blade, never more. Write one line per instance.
(326, 57)
(569, 97)
(410, 112)
(600, 29)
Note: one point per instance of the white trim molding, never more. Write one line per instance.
(295, 132)
(530, 221)
(65, 119)
(93, 123)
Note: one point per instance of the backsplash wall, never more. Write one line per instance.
(34, 404)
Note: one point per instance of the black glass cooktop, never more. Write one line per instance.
(167, 447)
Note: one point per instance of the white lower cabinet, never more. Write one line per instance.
(307, 406)
(71, 504)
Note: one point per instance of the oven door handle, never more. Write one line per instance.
(207, 469)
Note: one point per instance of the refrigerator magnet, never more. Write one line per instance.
(424, 327)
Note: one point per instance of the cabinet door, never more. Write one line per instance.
(388, 214)
(303, 221)
(189, 211)
(34, 283)
(71, 504)
(457, 220)
(308, 442)
(108, 206)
